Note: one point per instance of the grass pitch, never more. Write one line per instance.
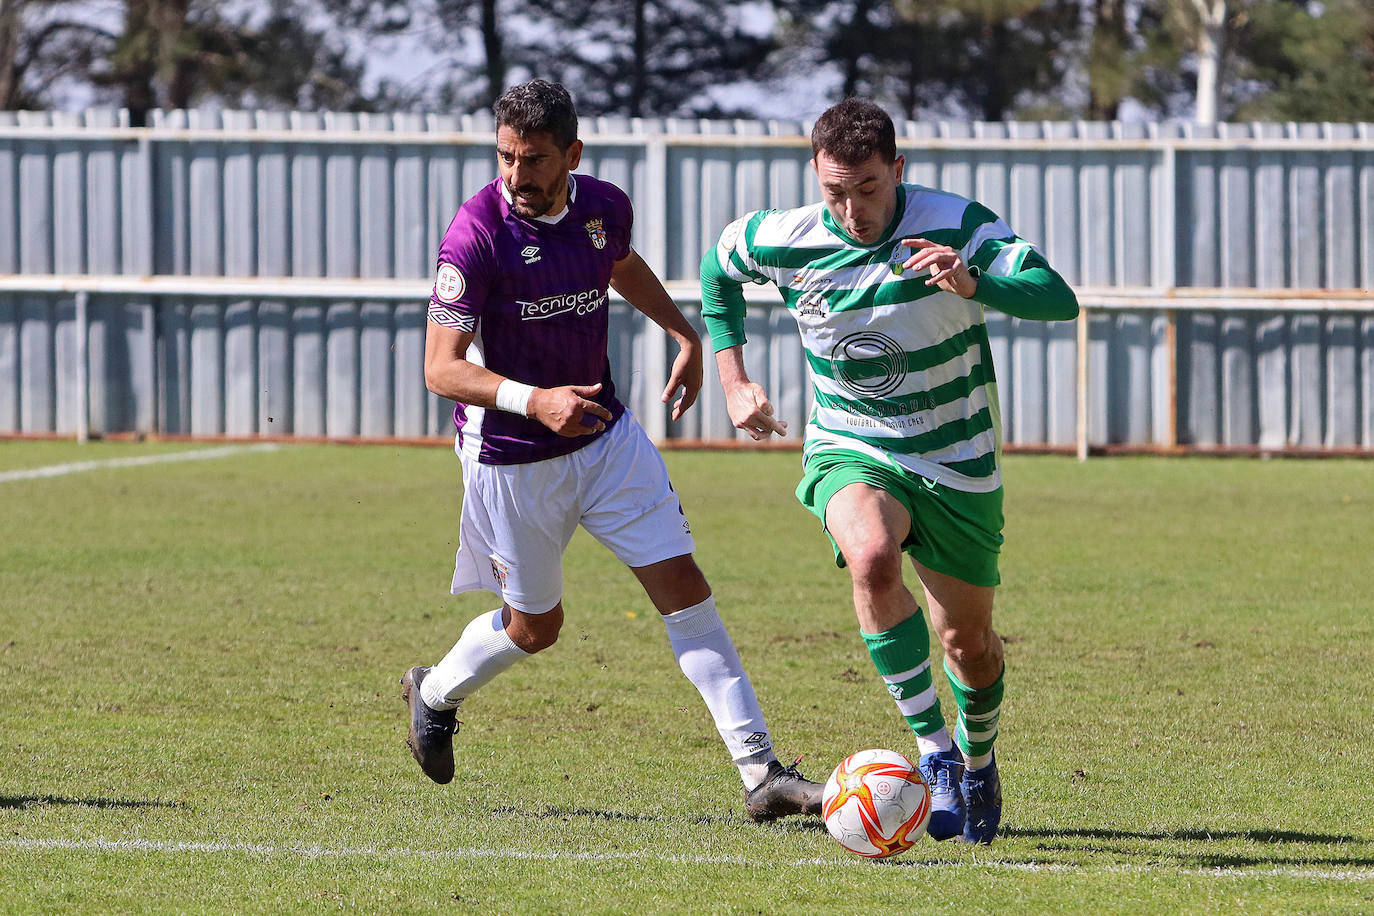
(199, 709)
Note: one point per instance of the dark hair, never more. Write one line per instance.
(852, 131)
(538, 107)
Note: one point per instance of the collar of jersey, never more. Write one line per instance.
(550, 220)
(897, 213)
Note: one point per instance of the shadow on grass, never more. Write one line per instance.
(542, 814)
(1253, 836)
(43, 801)
(1281, 855)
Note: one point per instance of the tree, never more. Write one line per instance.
(1315, 64)
(1207, 25)
(43, 42)
(649, 57)
(178, 53)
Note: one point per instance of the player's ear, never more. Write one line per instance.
(574, 154)
(899, 168)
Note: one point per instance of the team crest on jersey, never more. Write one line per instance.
(813, 305)
(899, 256)
(597, 233)
(448, 284)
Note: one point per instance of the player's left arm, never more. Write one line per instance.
(1009, 275)
(636, 281)
(995, 267)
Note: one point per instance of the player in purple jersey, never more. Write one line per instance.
(517, 337)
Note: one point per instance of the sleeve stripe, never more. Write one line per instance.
(448, 318)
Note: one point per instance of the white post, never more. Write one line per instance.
(83, 389)
(654, 367)
(1081, 433)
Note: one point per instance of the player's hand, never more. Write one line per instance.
(947, 270)
(568, 411)
(686, 374)
(750, 411)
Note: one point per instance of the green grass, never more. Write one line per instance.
(198, 661)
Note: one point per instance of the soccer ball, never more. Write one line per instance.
(876, 803)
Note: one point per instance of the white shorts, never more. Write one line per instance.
(518, 518)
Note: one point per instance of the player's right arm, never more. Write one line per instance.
(566, 410)
(724, 270)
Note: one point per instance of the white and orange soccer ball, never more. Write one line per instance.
(876, 803)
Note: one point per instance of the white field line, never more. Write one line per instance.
(475, 852)
(77, 467)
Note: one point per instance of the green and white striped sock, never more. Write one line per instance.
(979, 710)
(902, 657)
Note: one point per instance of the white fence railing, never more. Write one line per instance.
(1028, 356)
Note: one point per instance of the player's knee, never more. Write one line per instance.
(970, 647)
(535, 632)
(875, 567)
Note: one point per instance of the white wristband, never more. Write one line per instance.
(514, 397)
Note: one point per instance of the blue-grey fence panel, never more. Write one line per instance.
(369, 196)
(308, 370)
(123, 365)
(341, 370)
(270, 172)
(9, 200)
(37, 372)
(274, 377)
(10, 363)
(1275, 379)
(375, 371)
(408, 376)
(206, 370)
(240, 368)
(64, 349)
(173, 366)
(305, 257)
(1365, 360)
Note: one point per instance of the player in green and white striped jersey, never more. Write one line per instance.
(887, 282)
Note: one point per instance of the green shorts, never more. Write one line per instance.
(953, 532)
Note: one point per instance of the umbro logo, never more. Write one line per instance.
(895, 690)
(530, 253)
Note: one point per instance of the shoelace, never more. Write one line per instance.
(940, 777)
(792, 771)
(441, 726)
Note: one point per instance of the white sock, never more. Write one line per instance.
(753, 771)
(977, 763)
(482, 652)
(940, 741)
(706, 655)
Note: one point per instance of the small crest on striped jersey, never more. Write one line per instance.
(597, 233)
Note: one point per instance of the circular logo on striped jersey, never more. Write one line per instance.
(869, 364)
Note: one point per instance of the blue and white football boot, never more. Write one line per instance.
(943, 772)
(982, 790)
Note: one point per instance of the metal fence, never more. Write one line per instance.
(262, 273)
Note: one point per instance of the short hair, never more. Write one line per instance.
(852, 131)
(538, 107)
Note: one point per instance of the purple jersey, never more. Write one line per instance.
(534, 292)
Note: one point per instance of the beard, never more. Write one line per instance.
(531, 201)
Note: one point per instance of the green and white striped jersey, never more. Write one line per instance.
(901, 371)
